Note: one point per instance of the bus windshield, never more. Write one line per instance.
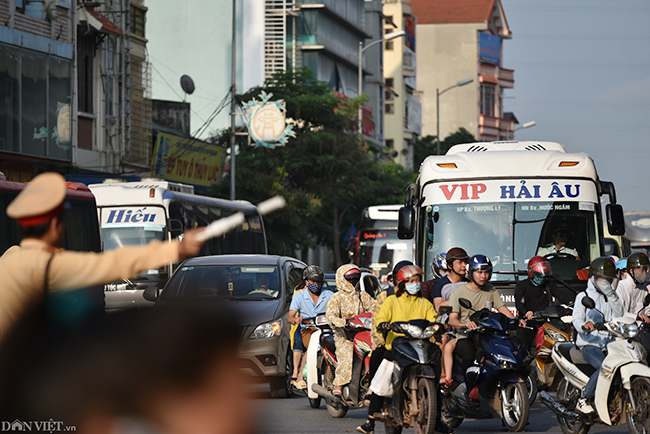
(380, 250)
(510, 233)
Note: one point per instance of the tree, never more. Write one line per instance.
(326, 173)
(426, 145)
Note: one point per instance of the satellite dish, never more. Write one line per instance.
(187, 84)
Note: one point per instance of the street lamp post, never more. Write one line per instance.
(526, 125)
(386, 37)
(438, 93)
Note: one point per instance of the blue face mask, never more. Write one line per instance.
(412, 288)
(538, 280)
(314, 288)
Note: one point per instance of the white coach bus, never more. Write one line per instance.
(134, 213)
(511, 201)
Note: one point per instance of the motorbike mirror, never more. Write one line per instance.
(589, 302)
(468, 304)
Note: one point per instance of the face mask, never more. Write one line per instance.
(604, 286)
(412, 288)
(315, 288)
(641, 277)
(538, 280)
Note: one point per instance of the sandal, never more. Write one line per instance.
(444, 381)
(301, 385)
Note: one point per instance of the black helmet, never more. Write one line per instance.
(313, 272)
(602, 267)
(637, 260)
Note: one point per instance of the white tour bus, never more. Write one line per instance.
(508, 200)
(134, 213)
(378, 247)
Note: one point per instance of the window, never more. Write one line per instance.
(389, 109)
(487, 100)
(85, 55)
(390, 143)
(389, 44)
(389, 96)
(10, 90)
(138, 18)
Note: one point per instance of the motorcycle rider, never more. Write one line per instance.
(481, 294)
(601, 287)
(536, 293)
(456, 264)
(632, 288)
(349, 301)
(309, 303)
(405, 305)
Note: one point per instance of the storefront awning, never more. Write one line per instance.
(98, 22)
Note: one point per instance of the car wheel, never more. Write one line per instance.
(281, 386)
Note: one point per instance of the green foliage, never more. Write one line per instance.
(326, 173)
(426, 145)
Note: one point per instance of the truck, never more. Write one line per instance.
(508, 200)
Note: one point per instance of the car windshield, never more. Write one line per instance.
(510, 233)
(380, 250)
(252, 282)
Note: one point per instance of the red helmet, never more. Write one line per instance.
(539, 266)
(405, 273)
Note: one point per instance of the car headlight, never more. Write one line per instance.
(267, 330)
(556, 335)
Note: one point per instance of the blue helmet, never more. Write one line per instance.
(621, 264)
(479, 263)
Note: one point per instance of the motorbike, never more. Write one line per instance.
(503, 366)
(414, 402)
(556, 327)
(623, 386)
(321, 365)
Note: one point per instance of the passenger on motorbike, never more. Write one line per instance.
(346, 303)
(481, 294)
(601, 287)
(632, 289)
(456, 264)
(309, 303)
(405, 305)
(438, 271)
(536, 293)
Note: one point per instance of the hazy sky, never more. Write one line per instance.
(582, 72)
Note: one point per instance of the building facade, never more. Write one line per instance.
(464, 40)
(402, 106)
(73, 80)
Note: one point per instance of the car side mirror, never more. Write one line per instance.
(405, 223)
(151, 293)
(466, 303)
(615, 220)
(589, 302)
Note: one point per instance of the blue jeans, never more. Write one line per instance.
(594, 356)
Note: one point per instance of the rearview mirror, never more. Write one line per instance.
(615, 220)
(405, 223)
(468, 304)
(589, 303)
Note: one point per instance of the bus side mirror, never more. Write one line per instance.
(615, 220)
(175, 227)
(405, 223)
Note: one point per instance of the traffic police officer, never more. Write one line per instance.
(37, 265)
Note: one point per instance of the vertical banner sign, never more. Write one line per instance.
(187, 160)
(489, 48)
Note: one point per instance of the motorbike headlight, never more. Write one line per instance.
(628, 330)
(267, 330)
(505, 362)
(430, 331)
(367, 323)
(556, 335)
(412, 330)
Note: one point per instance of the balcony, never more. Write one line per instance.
(496, 75)
(491, 128)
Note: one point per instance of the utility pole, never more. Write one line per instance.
(233, 103)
